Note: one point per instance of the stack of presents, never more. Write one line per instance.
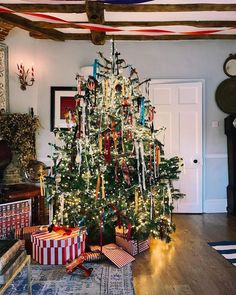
(57, 245)
(60, 245)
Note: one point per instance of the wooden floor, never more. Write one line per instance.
(188, 265)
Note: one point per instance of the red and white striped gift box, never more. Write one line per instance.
(117, 255)
(53, 248)
(133, 247)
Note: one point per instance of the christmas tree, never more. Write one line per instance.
(109, 167)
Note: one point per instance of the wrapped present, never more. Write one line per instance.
(53, 248)
(115, 254)
(132, 246)
(14, 215)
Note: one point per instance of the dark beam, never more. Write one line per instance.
(173, 23)
(169, 7)
(37, 35)
(70, 36)
(95, 13)
(62, 8)
(79, 8)
(30, 26)
(4, 30)
(47, 25)
(174, 37)
(161, 37)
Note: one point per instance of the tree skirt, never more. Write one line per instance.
(106, 279)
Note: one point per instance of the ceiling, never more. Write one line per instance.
(120, 19)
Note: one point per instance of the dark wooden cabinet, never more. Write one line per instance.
(230, 132)
(23, 191)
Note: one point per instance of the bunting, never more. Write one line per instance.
(151, 31)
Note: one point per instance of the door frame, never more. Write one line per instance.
(174, 81)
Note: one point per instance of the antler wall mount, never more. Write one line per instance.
(26, 76)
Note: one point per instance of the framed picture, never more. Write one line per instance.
(62, 100)
(4, 86)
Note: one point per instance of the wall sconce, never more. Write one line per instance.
(23, 76)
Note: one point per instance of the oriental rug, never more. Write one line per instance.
(106, 279)
(227, 249)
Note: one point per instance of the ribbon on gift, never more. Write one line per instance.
(60, 229)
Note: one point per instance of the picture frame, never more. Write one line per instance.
(4, 83)
(62, 99)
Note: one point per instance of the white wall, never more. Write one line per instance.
(57, 63)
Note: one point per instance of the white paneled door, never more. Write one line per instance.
(179, 109)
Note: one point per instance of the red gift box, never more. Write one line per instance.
(132, 246)
(14, 215)
(52, 248)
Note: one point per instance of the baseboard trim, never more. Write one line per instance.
(215, 206)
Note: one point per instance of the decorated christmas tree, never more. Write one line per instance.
(109, 167)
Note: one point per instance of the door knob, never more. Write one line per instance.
(195, 161)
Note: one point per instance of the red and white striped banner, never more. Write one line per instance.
(53, 248)
(110, 29)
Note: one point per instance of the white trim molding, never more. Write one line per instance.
(216, 156)
(215, 206)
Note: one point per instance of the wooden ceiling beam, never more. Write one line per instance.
(174, 37)
(95, 14)
(47, 25)
(4, 30)
(80, 8)
(68, 36)
(54, 8)
(30, 26)
(173, 23)
(160, 37)
(78, 36)
(169, 7)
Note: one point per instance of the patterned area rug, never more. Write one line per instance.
(106, 279)
(227, 249)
